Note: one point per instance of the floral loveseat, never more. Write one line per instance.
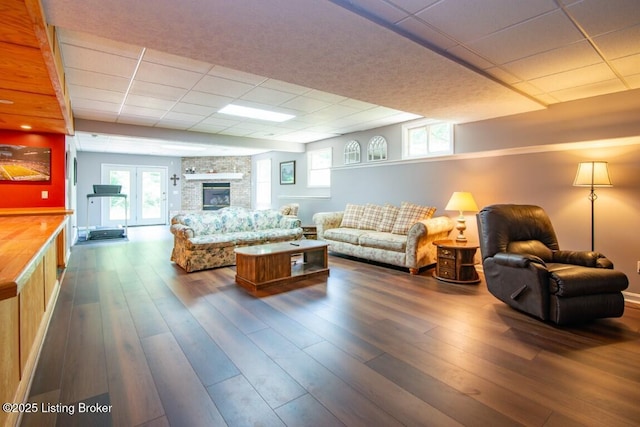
(401, 236)
(207, 239)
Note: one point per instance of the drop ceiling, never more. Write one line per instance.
(138, 68)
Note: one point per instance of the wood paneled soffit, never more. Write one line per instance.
(32, 83)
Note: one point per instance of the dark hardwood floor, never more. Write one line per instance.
(135, 336)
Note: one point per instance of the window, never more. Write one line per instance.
(426, 139)
(377, 149)
(352, 152)
(319, 167)
(263, 184)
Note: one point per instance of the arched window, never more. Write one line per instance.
(352, 152)
(377, 149)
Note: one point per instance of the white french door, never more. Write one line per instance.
(146, 188)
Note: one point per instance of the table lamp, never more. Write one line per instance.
(461, 201)
(592, 174)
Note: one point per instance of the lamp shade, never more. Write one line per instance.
(462, 201)
(594, 174)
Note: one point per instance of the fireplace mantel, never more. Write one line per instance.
(207, 176)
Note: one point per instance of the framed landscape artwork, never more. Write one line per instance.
(24, 163)
(288, 172)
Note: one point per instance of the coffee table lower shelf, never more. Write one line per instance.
(275, 264)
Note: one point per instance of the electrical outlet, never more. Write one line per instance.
(45, 194)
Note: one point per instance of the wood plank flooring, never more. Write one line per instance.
(134, 335)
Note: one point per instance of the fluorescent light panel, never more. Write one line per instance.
(255, 113)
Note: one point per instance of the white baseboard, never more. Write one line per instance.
(631, 298)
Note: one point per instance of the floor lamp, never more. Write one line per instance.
(592, 174)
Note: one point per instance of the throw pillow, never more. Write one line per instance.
(389, 215)
(371, 217)
(352, 215)
(409, 214)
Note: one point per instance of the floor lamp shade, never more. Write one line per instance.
(592, 174)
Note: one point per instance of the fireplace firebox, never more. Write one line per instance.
(216, 195)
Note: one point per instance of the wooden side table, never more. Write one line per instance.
(310, 232)
(455, 262)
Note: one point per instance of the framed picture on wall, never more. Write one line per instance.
(24, 163)
(288, 172)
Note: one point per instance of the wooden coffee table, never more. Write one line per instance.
(262, 266)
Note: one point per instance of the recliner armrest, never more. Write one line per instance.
(582, 258)
(516, 260)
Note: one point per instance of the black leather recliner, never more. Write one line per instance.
(525, 268)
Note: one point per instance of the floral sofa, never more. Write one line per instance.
(401, 236)
(207, 239)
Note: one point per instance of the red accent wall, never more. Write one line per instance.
(29, 194)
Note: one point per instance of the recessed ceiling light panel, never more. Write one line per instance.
(255, 113)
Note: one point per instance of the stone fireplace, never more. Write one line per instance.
(207, 170)
(216, 195)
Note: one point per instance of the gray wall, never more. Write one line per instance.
(89, 169)
(528, 158)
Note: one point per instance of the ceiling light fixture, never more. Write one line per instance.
(25, 127)
(6, 101)
(255, 113)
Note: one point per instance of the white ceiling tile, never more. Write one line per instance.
(207, 99)
(547, 32)
(565, 58)
(621, 43)
(170, 76)
(574, 78)
(467, 20)
(81, 104)
(325, 96)
(503, 75)
(155, 90)
(100, 62)
(200, 110)
(183, 117)
(141, 112)
(627, 66)
(267, 96)
(426, 33)
(285, 87)
(633, 81)
(470, 57)
(148, 102)
(225, 87)
(175, 61)
(97, 80)
(84, 92)
(238, 76)
(101, 116)
(220, 120)
(354, 103)
(100, 44)
(602, 16)
(306, 104)
(589, 90)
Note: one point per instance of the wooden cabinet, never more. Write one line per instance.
(456, 262)
(31, 263)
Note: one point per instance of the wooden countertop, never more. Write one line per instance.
(23, 239)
